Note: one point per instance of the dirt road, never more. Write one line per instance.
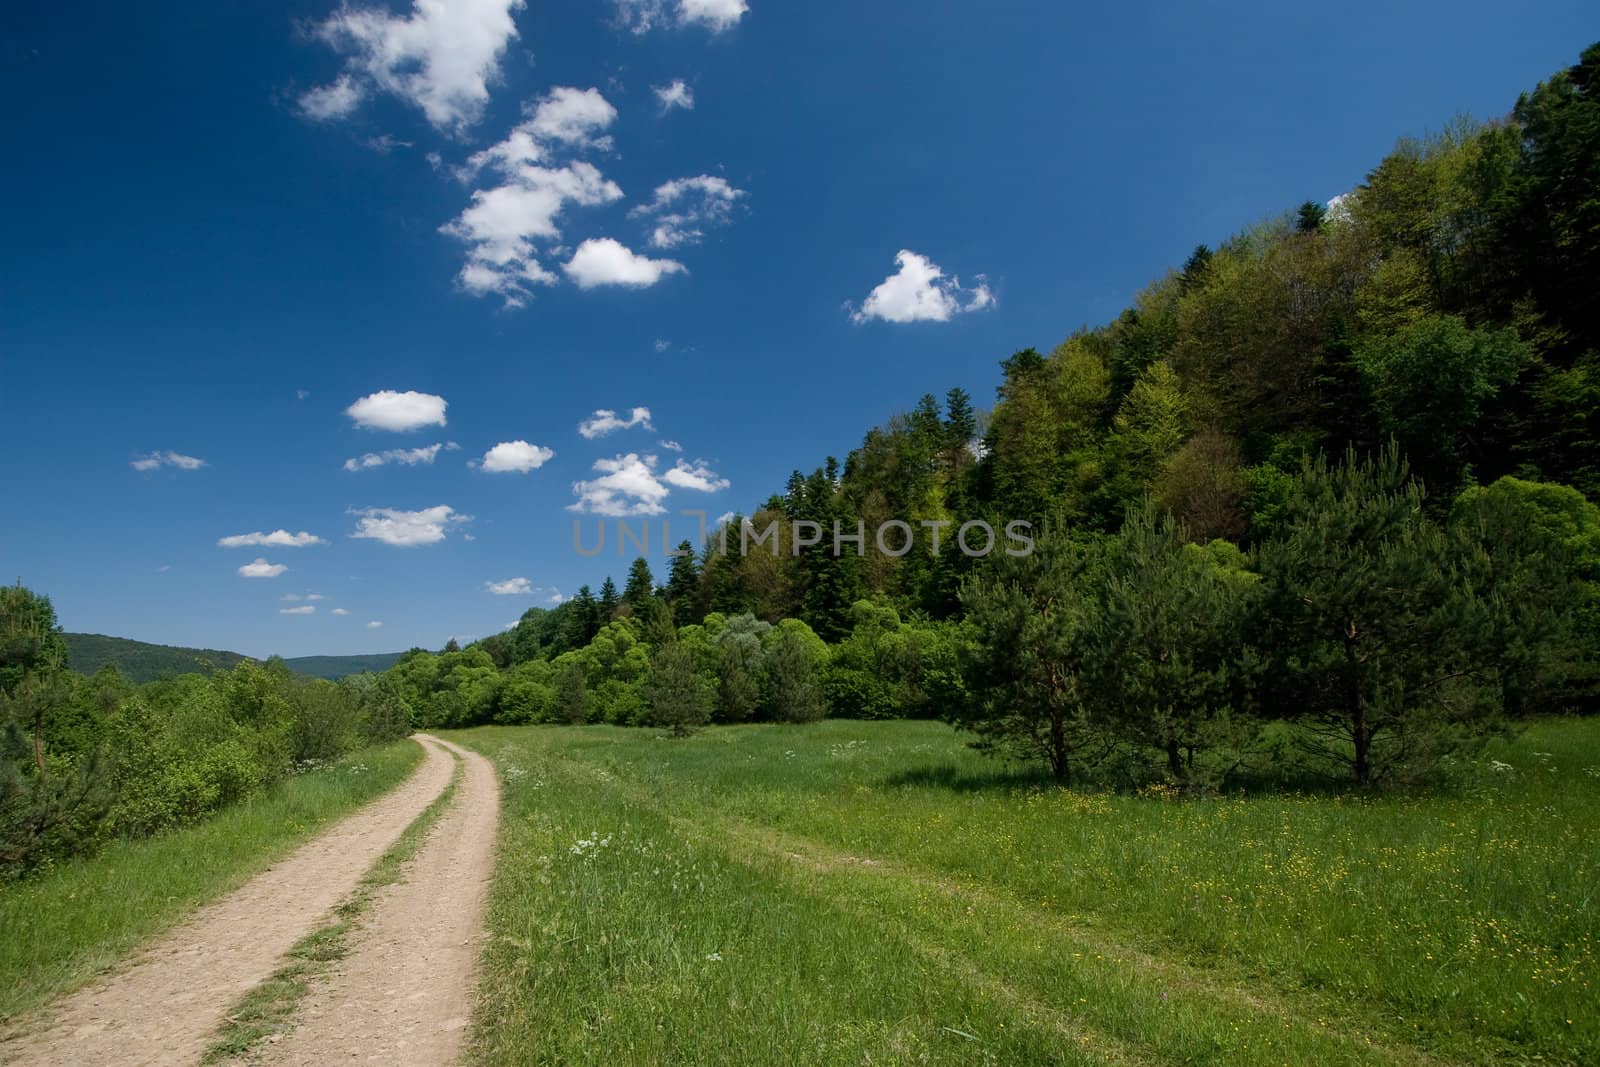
(404, 993)
(406, 985)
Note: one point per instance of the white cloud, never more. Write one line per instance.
(390, 410)
(510, 587)
(697, 476)
(674, 94)
(718, 15)
(275, 539)
(662, 346)
(293, 597)
(506, 222)
(571, 117)
(307, 609)
(1339, 207)
(642, 16)
(920, 292)
(374, 624)
(671, 446)
(409, 457)
(682, 208)
(605, 421)
(341, 611)
(167, 459)
(515, 457)
(407, 529)
(604, 261)
(332, 101)
(441, 57)
(261, 569)
(556, 597)
(627, 486)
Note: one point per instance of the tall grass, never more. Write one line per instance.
(63, 925)
(871, 887)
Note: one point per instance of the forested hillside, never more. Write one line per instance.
(142, 662)
(1324, 487)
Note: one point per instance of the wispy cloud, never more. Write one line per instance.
(304, 609)
(697, 476)
(683, 208)
(408, 457)
(275, 539)
(605, 421)
(154, 460)
(675, 94)
(261, 569)
(510, 587)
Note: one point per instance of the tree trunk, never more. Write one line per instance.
(1058, 750)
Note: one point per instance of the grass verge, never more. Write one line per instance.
(70, 923)
(268, 1009)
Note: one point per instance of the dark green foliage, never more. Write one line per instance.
(1431, 384)
(1309, 217)
(641, 587)
(1170, 665)
(141, 662)
(572, 694)
(679, 697)
(794, 661)
(1369, 623)
(1030, 660)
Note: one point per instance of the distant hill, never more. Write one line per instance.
(143, 662)
(336, 667)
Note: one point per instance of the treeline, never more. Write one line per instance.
(86, 759)
(1366, 635)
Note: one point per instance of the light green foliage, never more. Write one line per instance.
(1151, 423)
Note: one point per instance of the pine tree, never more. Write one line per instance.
(678, 696)
(608, 600)
(572, 695)
(683, 584)
(1368, 624)
(641, 587)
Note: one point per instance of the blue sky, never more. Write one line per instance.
(230, 223)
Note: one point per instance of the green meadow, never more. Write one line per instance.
(877, 893)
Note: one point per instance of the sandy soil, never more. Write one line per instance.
(404, 994)
(164, 1004)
